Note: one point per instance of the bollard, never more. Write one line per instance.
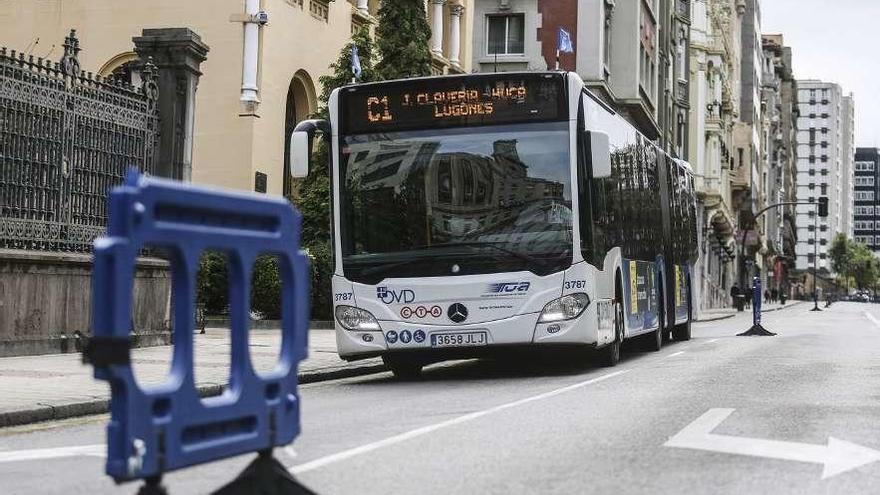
(757, 329)
(156, 430)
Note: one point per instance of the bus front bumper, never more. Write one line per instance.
(470, 340)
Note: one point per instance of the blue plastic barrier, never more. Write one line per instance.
(756, 301)
(757, 328)
(168, 427)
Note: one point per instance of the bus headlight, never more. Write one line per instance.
(352, 318)
(565, 308)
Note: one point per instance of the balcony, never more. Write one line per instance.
(681, 92)
(683, 10)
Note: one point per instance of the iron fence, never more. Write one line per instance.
(66, 138)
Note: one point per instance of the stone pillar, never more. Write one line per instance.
(363, 6)
(455, 34)
(437, 27)
(178, 53)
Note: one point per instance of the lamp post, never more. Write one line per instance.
(816, 260)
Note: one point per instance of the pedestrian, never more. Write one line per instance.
(766, 296)
(734, 294)
(774, 296)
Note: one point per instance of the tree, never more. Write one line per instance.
(403, 35)
(840, 253)
(312, 194)
(864, 266)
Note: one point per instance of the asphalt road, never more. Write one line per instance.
(718, 414)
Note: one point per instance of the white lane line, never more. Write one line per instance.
(712, 341)
(55, 453)
(363, 449)
(873, 320)
(679, 353)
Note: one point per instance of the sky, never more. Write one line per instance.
(837, 41)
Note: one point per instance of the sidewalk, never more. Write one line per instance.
(724, 313)
(51, 387)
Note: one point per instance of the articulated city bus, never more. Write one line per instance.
(483, 212)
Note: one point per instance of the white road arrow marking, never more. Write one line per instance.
(837, 457)
(54, 453)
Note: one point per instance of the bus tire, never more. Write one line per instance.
(653, 342)
(402, 367)
(682, 332)
(609, 355)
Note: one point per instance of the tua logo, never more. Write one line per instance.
(509, 287)
(403, 296)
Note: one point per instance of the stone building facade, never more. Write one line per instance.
(632, 54)
(234, 146)
(714, 99)
(780, 155)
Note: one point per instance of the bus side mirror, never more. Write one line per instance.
(600, 151)
(301, 145)
(300, 153)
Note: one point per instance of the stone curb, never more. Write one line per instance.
(47, 412)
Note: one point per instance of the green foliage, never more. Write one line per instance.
(864, 267)
(854, 261)
(403, 34)
(313, 197)
(839, 253)
(266, 287)
(341, 68)
(213, 283)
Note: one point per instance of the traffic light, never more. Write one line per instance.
(823, 206)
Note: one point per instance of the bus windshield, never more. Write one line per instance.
(457, 201)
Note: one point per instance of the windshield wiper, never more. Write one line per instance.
(494, 245)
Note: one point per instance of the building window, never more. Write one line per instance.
(822, 256)
(824, 172)
(824, 144)
(505, 34)
(609, 12)
(824, 159)
(823, 242)
(811, 258)
(812, 186)
(812, 172)
(811, 241)
(823, 228)
(824, 189)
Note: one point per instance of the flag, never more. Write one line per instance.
(355, 62)
(564, 43)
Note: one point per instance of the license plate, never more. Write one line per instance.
(465, 339)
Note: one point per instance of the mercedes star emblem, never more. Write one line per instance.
(457, 312)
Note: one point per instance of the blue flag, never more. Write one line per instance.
(355, 62)
(564, 43)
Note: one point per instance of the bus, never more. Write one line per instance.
(483, 212)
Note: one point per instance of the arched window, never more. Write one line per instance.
(122, 68)
(301, 103)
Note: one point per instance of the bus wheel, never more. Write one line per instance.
(610, 354)
(682, 332)
(403, 368)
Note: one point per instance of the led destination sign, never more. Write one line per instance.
(447, 102)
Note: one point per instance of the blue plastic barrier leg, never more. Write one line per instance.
(757, 329)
